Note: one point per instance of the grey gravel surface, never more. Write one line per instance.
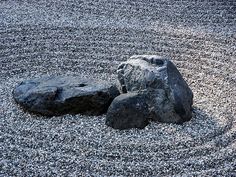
(91, 38)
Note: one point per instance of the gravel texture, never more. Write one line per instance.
(91, 38)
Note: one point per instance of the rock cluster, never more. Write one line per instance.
(151, 89)
(159, 93)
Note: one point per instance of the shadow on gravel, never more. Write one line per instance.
(206, 126)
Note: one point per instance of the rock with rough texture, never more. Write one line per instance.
(168, 96)
(58, 95)
(128, 110)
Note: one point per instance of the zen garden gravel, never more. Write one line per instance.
(90, 38)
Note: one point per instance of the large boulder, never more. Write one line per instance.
(168, 96)
(57, 95)
(128, 111)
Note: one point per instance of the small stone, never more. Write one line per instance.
(128, 111)
(58, 95)
(168, 96)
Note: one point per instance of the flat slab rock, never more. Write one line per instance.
(161, 86)
(58, 95)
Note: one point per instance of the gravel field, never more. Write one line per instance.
(90, 38)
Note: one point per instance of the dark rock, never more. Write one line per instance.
(168, 96)
(58, 95)
(128, 111)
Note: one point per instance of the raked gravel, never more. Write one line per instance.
(90, 38)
